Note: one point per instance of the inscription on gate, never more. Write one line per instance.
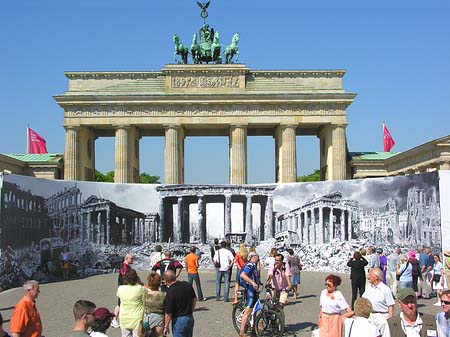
(205, 82)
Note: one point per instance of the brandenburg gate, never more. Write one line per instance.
(184, 100)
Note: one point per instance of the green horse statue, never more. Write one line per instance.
(180, 49)
(209, 48)
(232, 50)
(195, 50)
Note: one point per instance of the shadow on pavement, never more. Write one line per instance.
(293, 329)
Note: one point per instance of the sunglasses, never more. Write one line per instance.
(445, 302)
(329, 284)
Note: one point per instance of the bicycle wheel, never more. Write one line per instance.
(236, 315)
(269, 323)
(281, 313)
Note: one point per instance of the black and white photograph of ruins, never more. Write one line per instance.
(98, 222)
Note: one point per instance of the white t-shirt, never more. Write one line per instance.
(155, 258)
(97, 334)
(226, 258)
(380, 296)
(332, 306)
(360, 326)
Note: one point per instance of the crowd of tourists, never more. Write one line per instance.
(165, 304)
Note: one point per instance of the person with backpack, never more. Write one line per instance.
(279, 277)
(167, 264)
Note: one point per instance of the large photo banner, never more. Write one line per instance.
(324, 222)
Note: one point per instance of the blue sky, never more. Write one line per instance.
(396, 53)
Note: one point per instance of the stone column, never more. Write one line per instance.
(71, 154)
(177, 230)
(313, 227)
(248, 215)
(349, 222)
(201, 219)
(88, 226)
(307, 227)
(160, 236)
(320, 227)
(331, 226)
(98, 237)
(108, 226)
(300, 226)
(342, 225)
(269, 230)
(122, 172)
(339, 171)
(134, 138)
(173, 154)
(238, 154)
(227, 214)
(286, 154)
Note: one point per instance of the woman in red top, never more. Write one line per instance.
(239, 260)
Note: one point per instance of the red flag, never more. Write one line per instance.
(36, 144)
(387, 139)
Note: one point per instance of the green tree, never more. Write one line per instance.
(315, 176)
(144, 178)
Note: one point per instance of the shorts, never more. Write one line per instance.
(252, 298)
(295, 279)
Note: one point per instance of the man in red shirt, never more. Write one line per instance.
(25, 320)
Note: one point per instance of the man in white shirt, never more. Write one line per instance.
(392, 267)
(380, 296)
(225, 258)
(156, 257)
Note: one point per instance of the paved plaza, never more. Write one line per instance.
(212, 318)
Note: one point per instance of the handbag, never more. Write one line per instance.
(436, 277)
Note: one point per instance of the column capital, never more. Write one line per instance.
(288, 125)
(172, 126)
(240, 125)
(72, 127)
(121, 126)
(339, 125)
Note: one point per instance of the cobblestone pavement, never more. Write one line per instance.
(212, 318)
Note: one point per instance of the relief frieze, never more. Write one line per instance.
(199, 110)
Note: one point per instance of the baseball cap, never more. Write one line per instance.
(405, 292)
(251, 254)
(379, 250)
(102, 313)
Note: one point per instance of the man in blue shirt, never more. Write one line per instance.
(443, 317)
(426, 262)
(250, 280)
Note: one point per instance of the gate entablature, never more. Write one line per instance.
(225, 99)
